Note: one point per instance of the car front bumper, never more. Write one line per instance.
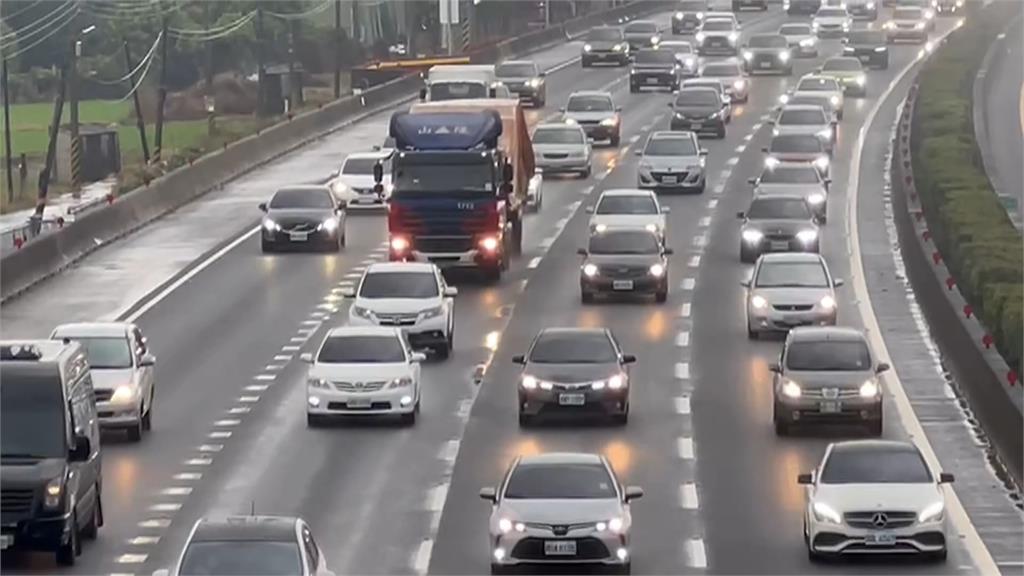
(769, 319)
(689, 180)
(717, 46)
(423, 334)
(383, 402)
(118, 415)
(285, 238)
(831, 31)
(767, 63)
(549, 165)
(901, 35)
(846, 540)
(653, 80)
(599, 131)
(595, 402)
(643, 285)
(528, 548)
(791, 244)
(620, 57)
(714, 125)
(37, 533)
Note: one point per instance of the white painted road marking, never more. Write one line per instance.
(688, 497)
(685, 446)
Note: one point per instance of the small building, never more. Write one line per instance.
(101, 153)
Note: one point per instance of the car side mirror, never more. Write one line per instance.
(805, 479)
(668, 251)
(147, 360)
(542, 74)
(561, 109)
(638, 153)
(882, 367)
(519, 359)
(348, 291)
(946, 478)
(745, 283)
(775, 367)
(740, 215)
(827, 181)
(306, 357)
(770, 122)
(703, 151)
(81, 450)
(666, 210)
(838, 282)
(751, 180)
(451, 291)
(632, 493)
(765, 149)
(263, 206)
(423, 94)
(582, 251)
(418, 357)
(489, 494)
(618, 108)
(628, 359)
(589, 209)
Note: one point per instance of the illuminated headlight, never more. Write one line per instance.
(432, 312)
(929, 14)
(529, 382)
(759, 302)
(871, 5)
(861, 80)
(571, 121)
(699, 36)
(815, 25)
(657, 270)
(815, 199)
(919, 26)
(690, 62)
(889, 25)
(700, 15)
(54, 491)
(748, 55)
(846, 26)
(313, 401)
(616, 48)
(834, 100)
(655, 39)
(651, 228)
(771, 162)
(599, 228)
(499, 554)
(733, 37)
(827, 302)
(825, 134)
(534, 82)
(752, 236)
(679, 15)
(616, 382)
(932, 513)
(807, 42)
(881, 49)
(739, 84)
(959, 3)
(403, 382)
(489, 243)
(784, 56)
(825, 513)
(330, 225)
(869, 389)
(270, 226)
(791, 389)
(399, 244)
(122, 394)
(506, 526)
(590, 270)
(821, 162)
(784, 98)
(339, 187)
(588, 47)
(318, 383)
(361, 312)
(609, 122)
(807, 236)
(614, 525)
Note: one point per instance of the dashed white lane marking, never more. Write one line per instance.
(719, 187)
(547, 242)
(227, 422)
(601, 175)
(688, 497)
(368, 261)
(765, 117)
(684, 310)
(748, 137)
(239, 410)
(683, 339)
(190, 476)
(297, 340)
(561, 223)
(634, 138)
(155, 523)
(732, 161)
(435, 502)
(695, 553)
(211, 447)
(353, 275)
(290, 348)
(534, 262)
(685, 446)
(321, 315)
(310, 323)
(705, 221)
(249, 399)
(700, 241)
(266, 377)
(165, 507)
(131, 558)
(176, 491)
(694, 261)
(256, 387)
(740, 149)
(198, 461)
(682, 405)
(283, 358)
(219, 434)
(682, 371)
(450, 450)
(588, 190)
(712, 203)
(688, 283)
(121, 574)
(421, 561)
(143, 540)
(306, 332)
(273, 367)
(464, 408)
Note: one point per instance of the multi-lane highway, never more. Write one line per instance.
(229, 433)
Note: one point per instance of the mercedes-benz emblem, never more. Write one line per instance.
(879, 520)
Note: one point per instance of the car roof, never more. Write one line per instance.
(719, 18)
(780, 257)
(819, 333)
(776, 196)
(801, 107)
(243, 528)
(562, 458)
(591, 93)
(628, 192)
(791, 163)
(530, 62)
(303, 188)
(342, 331)
(392, 267)
(573, 330)
(373, 155)
(671, 135)
(676, 43)
(855, 446)
(92, 329)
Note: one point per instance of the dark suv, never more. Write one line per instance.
(868, 46)
(655, 69)
(688, 15)
(605, 44)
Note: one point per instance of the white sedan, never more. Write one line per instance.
(364, 370)
(822, 85)
(354, 182)
(628, 209)
(874, 497)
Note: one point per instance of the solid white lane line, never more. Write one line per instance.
(450, 450)
(682, 370)
(421, 561)
(688, 497)
(176, 491)
(436, 498)
(685, 446)
(696, 554)
(682, 405)
(684, 311)
(683, 339)
(688, 283)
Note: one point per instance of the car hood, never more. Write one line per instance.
(624, 260)
(603, 44)
(558, 148)
(361, 372)
(515, 79)
(589, 116)
(864, 46)
(773, 51)
(827, 93)
(830, 20)
(727, 81)
(569, 511)
(696, 111)
(284, 217)
(628, 220)
(802, 189)
(361, 181)
(792, 296)
(398, 305)
(109, 379)
(670, 163)
(779, 226)
(717, 33)
(828, 379)
(30, 473)
(842, 74)
(796, 157)
(797, 38)
(867, 497)
(654, 66)
(571, 373)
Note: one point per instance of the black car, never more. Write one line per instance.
(700, 110)
(301, 216)
(642, 34)
(524, 79)
(655, 69)
(605, 44)
(767, 53)
(688, 15)
(948, 7)
(868, 46)
(866, 10)
(267, 545)
(624, 261)
(574, 371)
(801, 6)
(777, 223)
(738, 5)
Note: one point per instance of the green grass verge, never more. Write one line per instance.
(968, 222)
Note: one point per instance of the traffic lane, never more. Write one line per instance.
(1003, 104)
(734, 479)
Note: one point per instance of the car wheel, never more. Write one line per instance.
(585, 63)
(525, 420)
(68, 551)
(92, 529)
(634, 89)
(135, 430)
(721, 133)
(626, 569)
(408, 419)
(492, 274)
(586, 297)
(498, 569)
(442, 351)
(661, 296)
(147, 418)
(267, 247)
(752, 334)
(616, 139)
(781, 428)
(875, 427)
(623, 418)
(939, 556)
(586, 173)
(746, 256)
(315, 420)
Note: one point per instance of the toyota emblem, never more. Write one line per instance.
(360, 384)
(879, 520)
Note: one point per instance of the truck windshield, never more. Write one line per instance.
(31, 413)
(456, 91)
(442, 177)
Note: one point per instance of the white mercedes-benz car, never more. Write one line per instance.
(874, 497)
(363, 370)
(628, 209)
(560, 509)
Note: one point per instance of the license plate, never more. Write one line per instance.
(880, 539)
(695, 126)
(560, 548)
(865, 58)
(298, 236)
(6, 541)
(766, 64)
(652, 80)
(622, 284)
(670, 180)
(360, 403)
(572, 400)
(780, 245)
(829, 407)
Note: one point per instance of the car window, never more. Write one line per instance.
(454, 90)
(558, 136)
(604, 34)
(31, 413)
(804, 174)
(875, 466)
(361, 350)
(817, 85)
(907, 14)
(107, 353)
(589, 104)
(515, 70)
(573, 348)
(717, 26)
(767, 41)
(828, 356)
(241, 558)
(560, 482)
(677, 47)
(832, 12)
(399, 285)
(615, 204)
(842, 65)
(673, 146)
(655, 57)
(798, 143)
(795, 30)
(363, 166)
(302, 198)
(778, 209)
(803, 117)
(624, 242)
(698, 97)
(725, 69)
(641, 28)
(791, 275)
(866, 37)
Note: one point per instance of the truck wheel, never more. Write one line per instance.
(66, 553)
(616, 139)
(492, 274)
(517, 237)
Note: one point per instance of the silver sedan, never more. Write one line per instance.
(562, 148)
(788, 290)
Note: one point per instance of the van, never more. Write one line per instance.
(50, 460)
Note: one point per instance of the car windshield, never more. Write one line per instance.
(670, 147)
(717, 26)
(817, 85)
(624, 242)
(31, 413)
(803, 118)
(820, 100)
(767, 41)
(107, 353)
(881, 466)
(560, 482)
(795, 30)
(700, 97)
(615, 204)
(641, 28)
(515, 70)
(604, 34)
(241, 558)
(842, 65)
(778, 209)
(724, 69)
(559, 136)
(655, 57)
(302, 198)
(589, 104)
(828, 356)
(866, 37)
(796, 143)
(691, 6)
(801, 174)
(399, 285)
(473, 179)
(442, 91)
(361, 350)
(573, 348)
(791, 275)
(361, 166)
(907, 14)
(832, 13)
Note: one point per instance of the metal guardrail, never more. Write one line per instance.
(18, 236)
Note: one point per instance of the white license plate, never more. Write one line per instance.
(360, 403)
(622, 284)
(298, 236)
(880, 539)
(780, 245)
(830, 407)
(695, 126)
(652, 80)
(865, 58)
(766, 64)
(670, 180)
(572, 400)
(560, 548)
(6, 541)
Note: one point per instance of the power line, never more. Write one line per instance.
(41, 22)
(152, 58)
(131, 73)
(185, 33)
(22, 10)
(116, 11)
(299, 15)
(24, 49)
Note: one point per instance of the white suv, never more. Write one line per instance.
(363, 370)
(412, 296)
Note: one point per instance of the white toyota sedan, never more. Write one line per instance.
(628, 209)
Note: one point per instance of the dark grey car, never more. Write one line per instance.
(777, 223)
(642, 34)
(605, 44)
(700, 110)
(624, 261)
(524, 79)
(688, 16)
(655, 69)
(303, 216)
(574, 371)
(768, 53)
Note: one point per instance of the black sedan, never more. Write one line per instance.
(767, 53)
(777, 223)
(868, 46)
(303, 216)
(655, 69)
(700, 110)
(624, 261)
(574, 371)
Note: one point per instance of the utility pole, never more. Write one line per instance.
(139, 122)
(9, 155)
(158, 138)
(51, 149)
(260, 72)
(76, 140)
(209, 51)
(337, 49)
(293, 101)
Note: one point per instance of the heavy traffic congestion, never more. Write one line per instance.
(601, 306)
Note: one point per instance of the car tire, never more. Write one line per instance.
(92, 529)
(498, 569)
(634, 89)
(585, 63)
(67, 552)
(408, 419)
(746, 256)
(721, 133)
(315, 420)
(623, 418)
(661, 296)
(875, 427)
(781, 428)
(626, 569)
(586, 173)
(267, 247)
(813, 556)
(939, 556)
(752, 334)
(492, 274)
(147, 418)
(525, 420)
(135, 431)
(616, 139)
(586, 297)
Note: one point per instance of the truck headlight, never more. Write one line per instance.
(699, 36)
(807, 236)
(733, 37)
(679, 15)
(700, 15)
(489, 244)
(752, 236)
(784, 56)
(54, 491)
(869, 389)
(399, 244)
(861, 80)
(791, 389)
(834, 100)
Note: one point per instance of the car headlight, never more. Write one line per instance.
(821, 162)
(815, 25)
(609, 122)
(815, 198)
(399, 244)
(339, 187)
(700, 15)
(869, 389)
(699, 36)
(929, 14)
(871, 5)
(534, 82)
(889, 25)
(807, 42)
(834, 100)
(784, 56)
(270, 226)
(54, 491)
(827, 302)
(748, 55)
(932, 513)
(825, 134)
(317, 383)
(825, 513)
(919, 26)
(752, 236)
(361, 312)
(123, 393)
(881, 49)
(771, 162)
(599, 228)
(739, 84)
(791, 389)
(403, 382)
(807, 236)
(657, 270)
(614, 525)
(617, 382)
(505, 526)
(651, 228)
(679, 15)
(655, 39)
(846, 26)
(733, 37)
(432, 312)
(784, 98)
(690, 62)
(529, 382)
(616, 48)
(328, 225)
(588, 47)
(571, 121)
(590, 270)
(759, 302)
(861, 80)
